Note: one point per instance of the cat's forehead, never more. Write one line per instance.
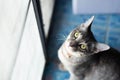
(84, 35)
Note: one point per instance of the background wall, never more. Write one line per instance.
(106, 28)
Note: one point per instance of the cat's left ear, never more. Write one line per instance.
(101, 47)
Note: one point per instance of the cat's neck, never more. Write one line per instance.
(82, 69)
(86, 64)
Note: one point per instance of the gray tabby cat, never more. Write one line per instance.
(87, 59)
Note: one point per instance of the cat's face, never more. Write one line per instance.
(81, 42)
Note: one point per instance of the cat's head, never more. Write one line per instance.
(81, 41)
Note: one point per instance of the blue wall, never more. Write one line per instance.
(106, 28)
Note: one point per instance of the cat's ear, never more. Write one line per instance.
(88, 23)
(101, 47)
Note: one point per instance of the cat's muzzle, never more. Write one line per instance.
(73, 45)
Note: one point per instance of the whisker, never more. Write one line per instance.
(61, 37)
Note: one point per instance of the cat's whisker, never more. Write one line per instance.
(61, 37)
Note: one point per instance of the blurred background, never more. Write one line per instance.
(69, 13)
(25, 54)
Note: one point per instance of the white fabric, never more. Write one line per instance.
(21, 52)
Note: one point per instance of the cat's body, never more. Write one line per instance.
(86, 59)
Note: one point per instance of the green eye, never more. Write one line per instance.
(76, 34)
(83, 46)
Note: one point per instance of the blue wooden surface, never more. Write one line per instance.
(106, 28)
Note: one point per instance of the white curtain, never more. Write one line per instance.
(21, 52)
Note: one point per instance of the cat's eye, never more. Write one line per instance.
(76, 34)
(83, 46)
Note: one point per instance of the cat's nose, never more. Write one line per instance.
(73, 44)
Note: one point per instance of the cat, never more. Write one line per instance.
(86, 59)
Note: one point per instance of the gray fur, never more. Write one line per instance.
(96, 62)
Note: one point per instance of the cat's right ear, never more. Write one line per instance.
(101, 47)
(88, 23)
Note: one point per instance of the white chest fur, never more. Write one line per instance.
(66, 58)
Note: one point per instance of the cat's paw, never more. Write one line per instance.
(61, 67)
